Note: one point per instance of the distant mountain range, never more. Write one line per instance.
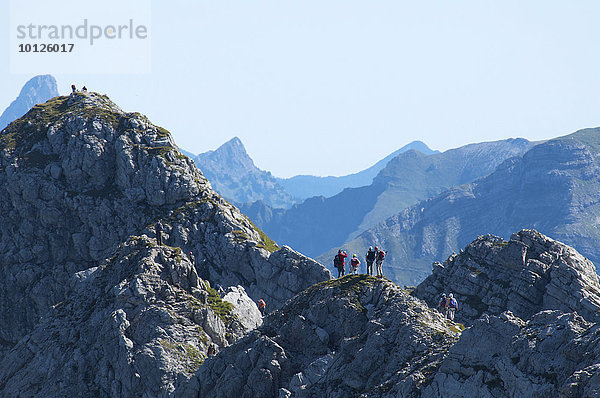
(234, 175)
(554, 187)
(37, 90)
(307, 186)
(319, 224)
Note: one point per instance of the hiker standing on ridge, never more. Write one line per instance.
(379, 262)
(370, 257)
(73, 88)
(442, 305)
(354, 263)
(158, 231)
(261, 306)
(192, 258)
(452, 306)
(339, 261)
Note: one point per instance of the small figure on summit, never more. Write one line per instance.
(379, 262)
(354, 263)
(452, 306)
(73, 88)
(159, 229)
(262, 306)
(370, 257)
(84, 89)
(339, 262)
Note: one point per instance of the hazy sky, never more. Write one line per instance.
(330, 87)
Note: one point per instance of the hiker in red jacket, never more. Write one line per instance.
(339, 261)
(354, 263)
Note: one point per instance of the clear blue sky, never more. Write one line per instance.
(330, 87)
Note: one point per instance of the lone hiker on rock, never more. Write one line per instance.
(211, 350)
(370, 257)
(452, 306)
(442, 305)
(73, 88)
(261, 306)
(339, 262)
(159, 229)
(192, 258)
(354, 263)
(379, 262)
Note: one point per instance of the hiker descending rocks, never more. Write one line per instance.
(261, 306)
(339, 262)
(159, 229)
(370, 257)
(379, 261)
(211, 350)
(442, 305)
(354, 263)
(452, 306)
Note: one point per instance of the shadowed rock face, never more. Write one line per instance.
(525, 275)
(358, 335)
(37, 90)
(78, 178)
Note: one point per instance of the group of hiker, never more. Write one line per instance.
(447, 305)
(373, 256)
(74, 89)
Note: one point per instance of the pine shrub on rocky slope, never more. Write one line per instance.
(78, 178)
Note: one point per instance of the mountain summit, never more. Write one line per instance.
(235, 176)
(90, 304)
(37, 90)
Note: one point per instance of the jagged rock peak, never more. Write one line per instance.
(135, 326)
(355, 336)
(38, 89)
(529, 273)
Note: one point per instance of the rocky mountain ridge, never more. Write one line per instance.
(364, 336)
(38, 89)
(78, 179)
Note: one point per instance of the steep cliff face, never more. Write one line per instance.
(358, 336)
(78, 178)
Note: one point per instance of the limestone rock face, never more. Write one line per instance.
(525, 275)
(553, 354)
(134, 326)
(349, 337)
(78, 179)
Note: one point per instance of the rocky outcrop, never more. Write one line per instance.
(135, 326)
(553, 354)
(528, 274)
(356, 336)
(531, 306)
(78, 178)
(37, 90)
